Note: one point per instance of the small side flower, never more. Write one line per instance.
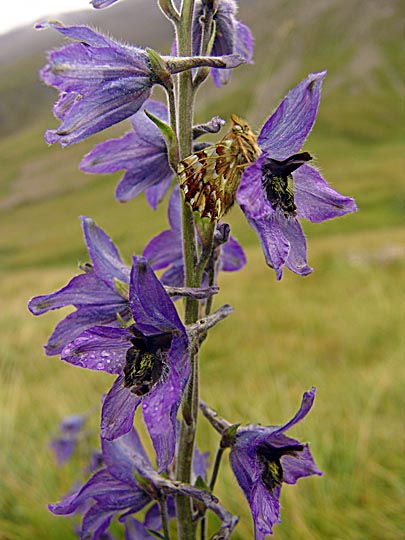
(111, 491)
(263, 458)
(231, 35)
(101, 81)
(142, 153)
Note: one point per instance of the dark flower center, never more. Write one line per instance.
(146, 361)
(277, 181)
(270, 462)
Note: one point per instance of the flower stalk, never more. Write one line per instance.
(185, 102)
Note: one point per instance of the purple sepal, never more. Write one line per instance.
(111, 490)
(174, 276)
(84, 318)
(80, 291)
(231, 37)
(152, 308)
(123, 454)
(107, 262)
(232, 257)
(243, 45)
(285, 131)
(100, 348)
(166, 248)
(315, 199)
(94, 293)
(161, 405)
(117, 415)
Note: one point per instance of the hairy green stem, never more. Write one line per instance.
(185, 108)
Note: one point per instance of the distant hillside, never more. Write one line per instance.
(359, 42)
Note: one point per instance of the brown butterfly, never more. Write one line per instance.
(210, 178)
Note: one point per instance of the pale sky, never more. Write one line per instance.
(15, 13)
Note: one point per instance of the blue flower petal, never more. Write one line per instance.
(84, 318)
(315, 199)
(121, 455)
(151, 306)
(232, 257)
(292, 231)
(285, 131)
(100, 348)
(142, 153)
(247, 461)
(104, 255)
(117, 415)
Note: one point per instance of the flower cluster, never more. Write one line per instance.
(125, 319)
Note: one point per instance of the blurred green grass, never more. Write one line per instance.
(340, 329)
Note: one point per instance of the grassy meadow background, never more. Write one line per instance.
(340, 329)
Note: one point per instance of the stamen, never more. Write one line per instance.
(278, 184)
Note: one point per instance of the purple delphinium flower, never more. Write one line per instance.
(150, 358)
(142, 153)
(262, 458)
(95, 294)
(101, 81)
(166, 249)
(116, 491)
(231, 36)
(281, 187)
(65, 443)
(111, 490)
